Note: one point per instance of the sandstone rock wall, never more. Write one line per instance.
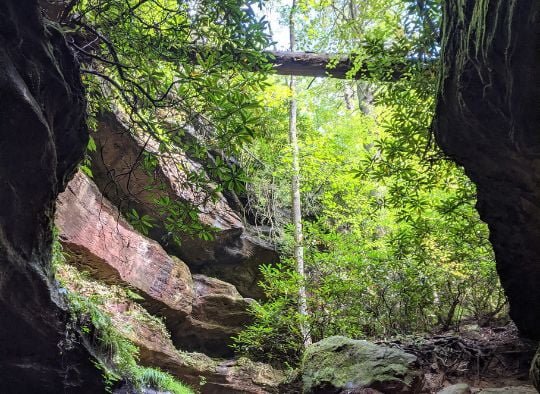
(233, 256)
(42, 138)
(157, 350)
(100, 240)
(202, 313)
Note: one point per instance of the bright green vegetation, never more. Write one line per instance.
(166, 66)
(116, 356)
(393, 244)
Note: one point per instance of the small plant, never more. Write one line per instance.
(141, 223)
(275, 335)
(155, 378)
(202, 381)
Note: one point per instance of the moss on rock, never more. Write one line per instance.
(337, 364)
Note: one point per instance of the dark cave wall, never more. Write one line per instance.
(488, 121)
(42, 138)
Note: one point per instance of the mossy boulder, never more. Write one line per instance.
(342, 365)
(459, 388)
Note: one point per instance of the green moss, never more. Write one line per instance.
(345, 363)
(151, 377)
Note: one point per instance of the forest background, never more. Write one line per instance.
(393, 243)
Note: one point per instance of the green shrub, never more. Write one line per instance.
(275, 335)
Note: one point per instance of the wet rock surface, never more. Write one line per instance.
(233, 255)
(42, 138)
(487, 120)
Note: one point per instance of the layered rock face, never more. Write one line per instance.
(219, 312)
(99, 239)
(42, 138)
(201, 313)
(156, 349)
(488, 121)
(233, 256)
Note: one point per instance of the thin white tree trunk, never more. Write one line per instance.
(295, 190)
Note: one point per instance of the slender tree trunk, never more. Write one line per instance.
(295, 190)
(365, 97)
(348, 96)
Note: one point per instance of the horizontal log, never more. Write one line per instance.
(309, 64)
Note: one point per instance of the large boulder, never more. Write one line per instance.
(233, 255)
(202, 313)
(341, 365)
(42, 138)
(487, 120)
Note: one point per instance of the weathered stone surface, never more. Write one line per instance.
(463, 388)
(42, 138)
(205, 374)
(202, 313)
(509, 390)
(487, 120)
(216, 376)
(342, 365)
(98, 238)
(233, 256)
(219, 312)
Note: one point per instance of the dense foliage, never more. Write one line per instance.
(393, 243)
(170, 68)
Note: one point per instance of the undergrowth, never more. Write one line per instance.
(116, 356)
